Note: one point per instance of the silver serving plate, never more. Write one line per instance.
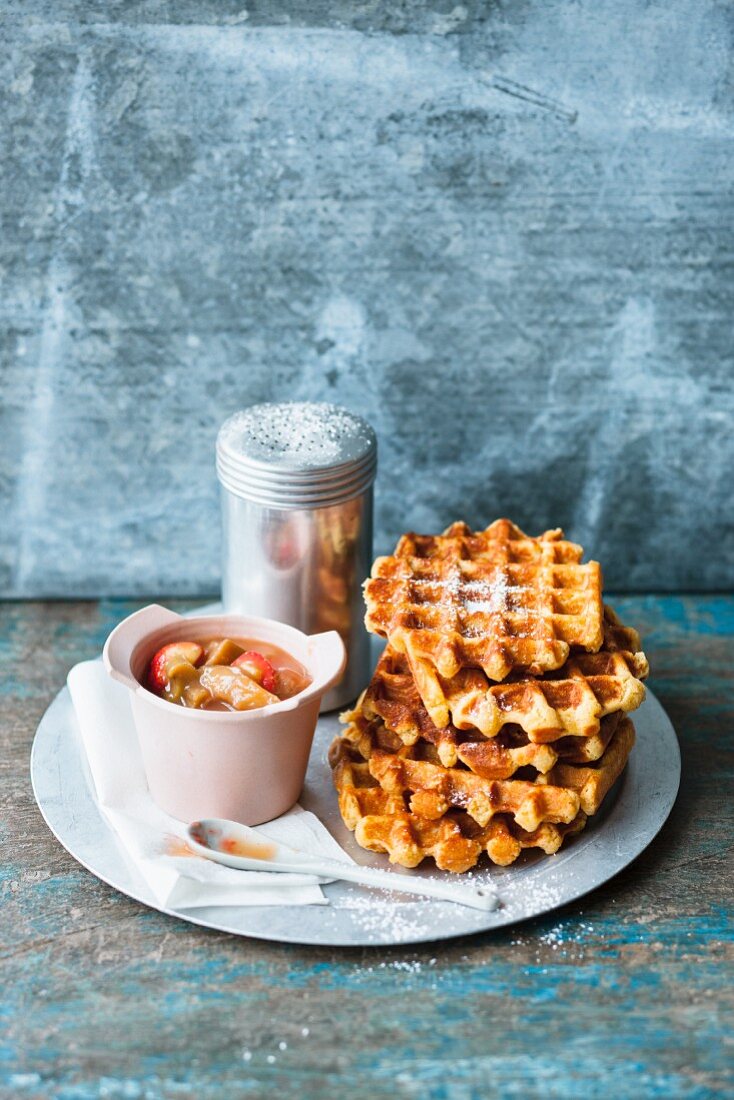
(633, 813)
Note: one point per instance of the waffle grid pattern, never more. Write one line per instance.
(496, 720)
(494, 599)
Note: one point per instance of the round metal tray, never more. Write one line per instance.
(632, 814)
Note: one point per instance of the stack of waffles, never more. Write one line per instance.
(496, 719)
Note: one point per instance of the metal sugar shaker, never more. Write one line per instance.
(297, 503)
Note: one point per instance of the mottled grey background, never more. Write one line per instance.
(501, 231)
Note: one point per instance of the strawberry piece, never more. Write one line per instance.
(166, 659)
(257, 667)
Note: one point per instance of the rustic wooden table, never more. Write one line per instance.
(626, 993)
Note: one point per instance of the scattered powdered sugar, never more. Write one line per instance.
(372, 914)
(387, 917)
(545, 891)
(269, 1057)
(561, 935)
(412, 967)
(490, 597)
(567, 940)
(301, 434)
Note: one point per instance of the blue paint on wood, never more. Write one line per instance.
(628, 993)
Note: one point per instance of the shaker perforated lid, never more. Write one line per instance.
(296, 454)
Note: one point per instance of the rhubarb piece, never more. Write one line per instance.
(233, 686)
(288, 682)
(194, 694)
(222, 651)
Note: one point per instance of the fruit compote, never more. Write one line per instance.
(224, 674)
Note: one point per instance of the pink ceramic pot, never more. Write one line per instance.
(245, 765)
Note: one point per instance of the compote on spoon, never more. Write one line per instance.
(238, 846)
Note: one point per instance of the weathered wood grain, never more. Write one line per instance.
(627, 993)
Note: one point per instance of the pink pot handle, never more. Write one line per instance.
(122, 641)
(331, 657)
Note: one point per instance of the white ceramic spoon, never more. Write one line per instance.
(243, 848)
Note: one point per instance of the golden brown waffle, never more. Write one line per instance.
(502, 756)
(592, 783)
(569, 701)
(497, 757)
(496, 600)
(569, 788)
(414, 808)
(382, 822)
(432, 790)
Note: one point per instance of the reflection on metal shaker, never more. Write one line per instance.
(297, 510)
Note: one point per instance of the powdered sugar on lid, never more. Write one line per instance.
(297, 435)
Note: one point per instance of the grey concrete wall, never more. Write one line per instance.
(503, 232)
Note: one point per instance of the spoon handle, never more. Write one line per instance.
(477, 897)
(290, 860)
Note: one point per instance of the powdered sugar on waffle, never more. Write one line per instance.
(471, 596)
(484, 597)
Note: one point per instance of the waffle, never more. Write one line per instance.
(382, 822)
(501, 757)
(497, 757)
(412, 808)
(431, 790)
(593, 783)
(551, 794)
(495, 600)
(572, 700)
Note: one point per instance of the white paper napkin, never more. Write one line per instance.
(151, 839)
